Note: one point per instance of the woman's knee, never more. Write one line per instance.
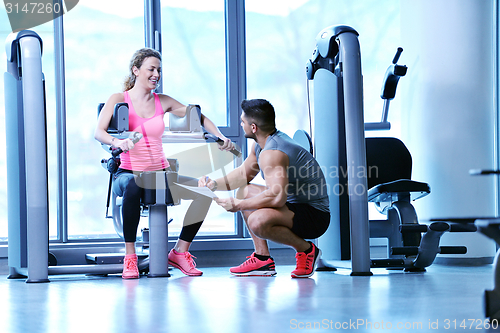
(132, 189)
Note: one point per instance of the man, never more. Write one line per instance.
(292, 207)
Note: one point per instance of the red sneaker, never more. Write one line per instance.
(184, 261)
(130, 269)
(306, 263)
(254, 267)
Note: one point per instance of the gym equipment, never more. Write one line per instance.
(156, 195)
(27, 164)
(335, 67)
(491, 229)
(336, 71)
(392, 191)
(28, 215)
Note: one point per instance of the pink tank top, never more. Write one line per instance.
(147, 154)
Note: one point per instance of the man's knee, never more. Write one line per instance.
(242, 193)
(258, 224)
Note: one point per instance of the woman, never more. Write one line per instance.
(146, 112)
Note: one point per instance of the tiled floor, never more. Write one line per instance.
(444, 297)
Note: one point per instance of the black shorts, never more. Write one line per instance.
(308, 222)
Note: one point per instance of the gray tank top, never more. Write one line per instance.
(306, 182)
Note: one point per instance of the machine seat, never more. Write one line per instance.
(395, 190)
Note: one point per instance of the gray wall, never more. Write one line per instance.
(448, 109)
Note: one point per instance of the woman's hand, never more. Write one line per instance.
(227, 145)
(125, 144)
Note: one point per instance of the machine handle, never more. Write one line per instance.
(136, 136)
(398, 54)
(235, 150)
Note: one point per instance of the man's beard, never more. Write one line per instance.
(251, 136)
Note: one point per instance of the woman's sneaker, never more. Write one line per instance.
(255, 267)
(184, 261)
(306, 262)
(130, 269)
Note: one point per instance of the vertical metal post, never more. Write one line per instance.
(152, 29)
(62, 158)
(16, 178)
(236, 82)
(328, 106)
(158, 230)
(356, 152)
(36, 160)
(235, 64)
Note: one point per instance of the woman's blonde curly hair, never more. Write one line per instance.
(137, 60)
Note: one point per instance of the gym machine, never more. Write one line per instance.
(489, 227)
(28, 212)
(27, 164)
(348, 158)
(335, 68)
(28, 215)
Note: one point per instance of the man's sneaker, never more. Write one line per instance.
(184, 261)
(306, 263)
(255, 267)
(130, 270)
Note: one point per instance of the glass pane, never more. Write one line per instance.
(193, 51)
(197, 160)
(45, 31)
(5, 30)
(281, 37)
(194, 72)
(97, 59)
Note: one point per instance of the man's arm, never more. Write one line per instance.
(240, 176)
(274, 164)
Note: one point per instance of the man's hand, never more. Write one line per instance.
(205, 181)
(229, 204)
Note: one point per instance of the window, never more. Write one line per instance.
(194, 72)
(281, 38)
(193, 52)
(97, 59)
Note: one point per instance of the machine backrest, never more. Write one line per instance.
(119, 121)
(387, 160)
(191, 122)
(304, 140)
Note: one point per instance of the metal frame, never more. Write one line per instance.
(62, 158)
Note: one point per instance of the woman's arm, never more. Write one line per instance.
(172, 105)
(103, 121)
(213, 129)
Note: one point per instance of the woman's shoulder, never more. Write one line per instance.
(117, 97)
(164, 97)
(169, 103)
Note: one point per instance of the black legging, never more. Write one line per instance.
(124, 185)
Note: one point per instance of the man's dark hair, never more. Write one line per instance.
(260, 112)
